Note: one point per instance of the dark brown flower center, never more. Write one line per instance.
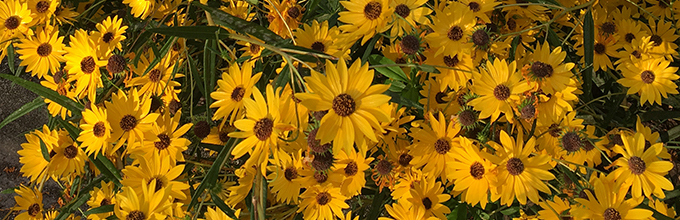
(541, 69)
(42, 6)
(439, 98)
(70, 152)
(201, 129)
(290, 173)
(108, 36)
(442, 146)
(427, 203)
(600, 48)
(647, 76)
(128, 122)
(467, 118)
(637, 165)
(323, 198)
(99, 129)
(571, 142)
(52, 153)
(263, 129)
(254, 48)
(587, 145)
(224, 136)
(105, 201)
(405, 159)
(512, 24)
(501, 92)
(238, 93)
(402, 10)
(351, 169)
(159, 183)
(611, 213)
(515, 166)
(554, 130)
(527, 112)
(163, 142)
(116, 64)
(135, 215)
(451, 61)
(608, 27)
(319, 46)
(383, 167)
(58, 76)
(629, 37)
(410, 44)
(320, 177)
(155, 75)
(372, 10)
(315, 145)
(174, 106)
(616, 140)
(12, 22)
(657, 40)
(44, 49)
(474, 6)
(34, 209)
(636, 54)
(663, 4)
(344, 105)
(477, 170)
(293, 12)
(480, 37)
(87, 64)
(455, 33)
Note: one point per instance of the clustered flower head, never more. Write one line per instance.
(350, 109)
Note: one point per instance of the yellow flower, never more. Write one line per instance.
(96, 131)
(352, 165)
(14, 19)
(473, 174)
(158, 170)
(165, 139)
(109, 35)
(42, 10)
(68, 158)
(549, 70)
(284, 16)
(452, 26)
(140, 8)
(480, 8)
(459, 72)
(499, 87)
(29, 200)
(64, 15)
(365, 18)
(640, 169)
(519, 175)
(428, 198)
(159, 80)
(234, 88)
(607, 204)
(663, 36)
(322, 202)
(555, 209)
(404, 211)
(101, 197)
(43, 52)
(604, 47)
(217, 214)
(240, 9)
(130, 118)
(145, 203)
(260, 129)
(408, 14)
(651, 79)
(352, 104)
(83, 65)
(62, 87)
(435, 146)
(321, 38)
(31, 156)
(238, 193)
(284, 179)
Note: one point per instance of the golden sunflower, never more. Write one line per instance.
(165, 139)
(435, 146)
(106, 195)
(43, 52)
(499, 87)
(284, 180)
(145, 203)
(260, 129)
(352, 104)
(549, 70)
(284, 16)
(234, 88)
(30, 201)
(217, 214)
(522, 175)
(219, 135)
(321, 38)
(96, 131)
(83, 65)
(640, 169)
(402, 190)
(109, 35)
(159, 170)
(660, 8)
(365, 18)
(252, 50)
(436, 98)
(322, 202)
(69, 158)
(352, 165)
(159, 81)
(31, 156)
(651, 79)
(452, 26)
(630, 30)
(14, 19)
(459, 70)
(556, 209)
(61, 86)
(403, 211)
(481, 8)
(130, 118)
(427, 197)
(473, 174)
(407, 15)
(64, 15)
(42, 10)
(246, 175)
(240, 9)
(663, 35)
(636, 51)
(607, 204)
(141, 8)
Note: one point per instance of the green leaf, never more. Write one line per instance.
(47, 93)
(392, 72)
(10, 57)
(160, 54)
(193, 32)
(510, 211)
(209, 72)
(427, 68)
(460, 212)
(239, 25)
(659, 115)
(513, 47)
(216, 148)
(25, 109)
(398, 98)
(108, 171)
(72, 130)
(211, 176)
(220, 204)
(9, 190)
(377, 205)
(43, 150)
(588, 47)
(100, 209)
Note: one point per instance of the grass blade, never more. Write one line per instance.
(40, 90)
(25, 109)
(588, 47)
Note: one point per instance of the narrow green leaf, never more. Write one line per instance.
(510, 211)
(100, 209)
(141, 40)
(659, 115)
(377, 205)
(109, 165)
(9, 190)
(10, 57)
(211, 176)
(216, 148)
(47, 93)
(160, 54)
(193, 32)
(43, 150)
(588, 47)
(398, 98)
(25, 109)
(208, 72)
(220, 204)
(105, 170)
(392, 72)
(72, 130)
(460, 212)
(427, 68)
(513, 48)
(239, 25)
